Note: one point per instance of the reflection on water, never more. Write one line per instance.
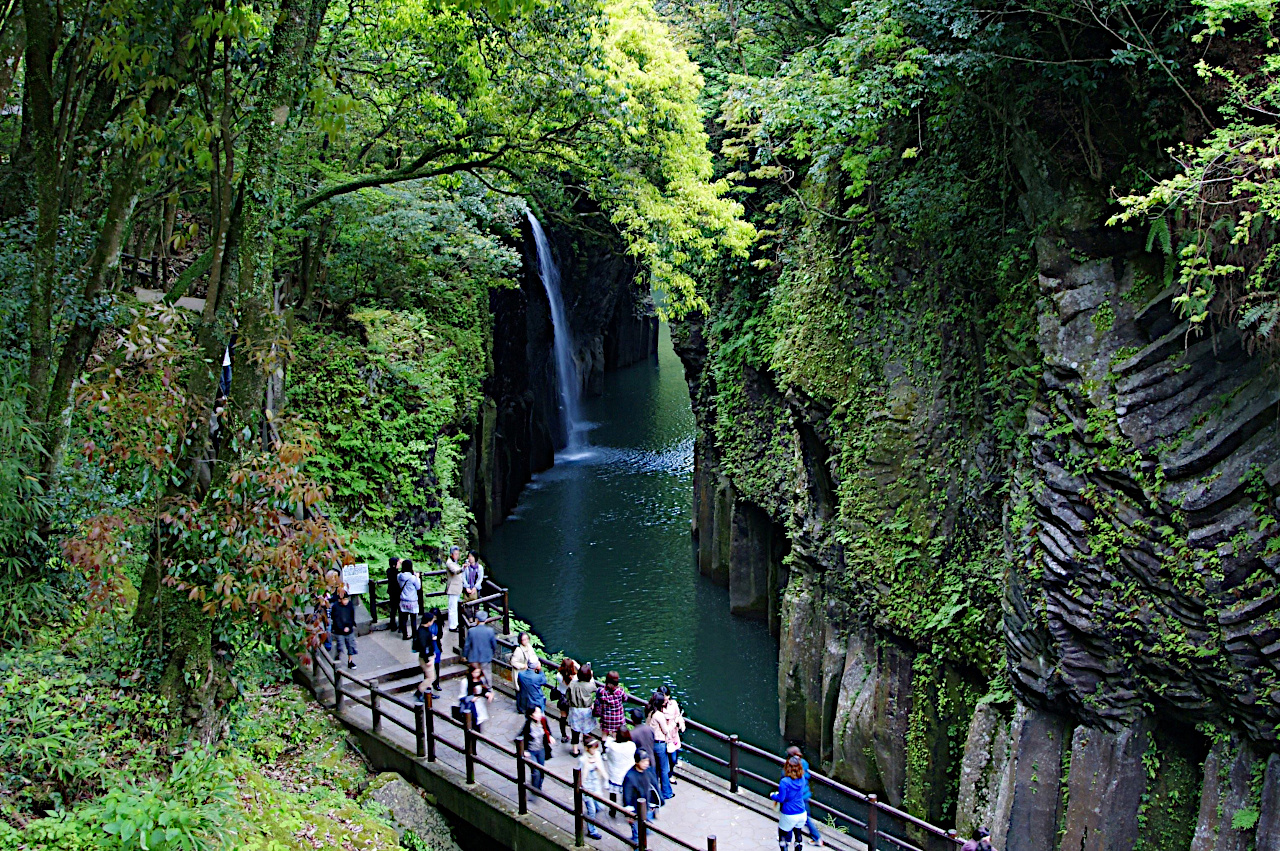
(599, 560)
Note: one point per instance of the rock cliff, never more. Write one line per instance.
(1127, 534)
(614, 325)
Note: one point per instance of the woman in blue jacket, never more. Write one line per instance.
(791, 801)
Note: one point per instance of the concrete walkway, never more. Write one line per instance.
(740, 821)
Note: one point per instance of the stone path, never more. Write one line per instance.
(740, 821)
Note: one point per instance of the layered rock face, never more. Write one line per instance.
(614, 325)
(1141, 616)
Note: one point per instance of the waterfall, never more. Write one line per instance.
(562, 344)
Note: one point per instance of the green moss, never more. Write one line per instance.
(1170, 803)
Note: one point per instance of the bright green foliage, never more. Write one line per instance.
(675, 219)
(1224, 199)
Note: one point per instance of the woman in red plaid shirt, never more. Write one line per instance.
(609, 704)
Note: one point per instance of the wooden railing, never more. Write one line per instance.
(881, 826)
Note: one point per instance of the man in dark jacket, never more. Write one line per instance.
(342, 623)
(482, 646)
(642, 735)
(637, 785)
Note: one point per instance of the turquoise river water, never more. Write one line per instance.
(599, 560)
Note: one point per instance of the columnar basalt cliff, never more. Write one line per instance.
(1126, 534)
(614, 326)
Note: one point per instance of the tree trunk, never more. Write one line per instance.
(38, 101)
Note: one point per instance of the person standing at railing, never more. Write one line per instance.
(410, 585)
(609, 704)
(529, 683)
(426, 640)
(453, 585)
(524, 655)
(814, 836)
(565, 675)
(342, 623)
(677, 726)
(594, 778)
(619, 755)
(580, 698)
(791, 804)
(638, 786)
(472, 580)
(393, 591)
(535, 740)
(662, 727)
(482, 646)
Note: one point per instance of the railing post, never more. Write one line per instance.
(337, 688)
(462, 629)
(468, 747)
(373, 707)
(426, 724)
(873, 828)
(733, 763)
(642, 824)
(522, 792)
(506, 613)
(155, 270)
(953, 836)
(579, 824)
(315, 664)
(711, 843)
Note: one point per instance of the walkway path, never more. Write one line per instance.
(703, 805)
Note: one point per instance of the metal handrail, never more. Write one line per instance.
(427, 739)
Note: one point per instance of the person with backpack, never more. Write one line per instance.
(426, 641)
(342, 624)
(410, 585)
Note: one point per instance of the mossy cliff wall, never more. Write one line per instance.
(1023, 573)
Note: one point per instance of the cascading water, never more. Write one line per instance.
(562, 345)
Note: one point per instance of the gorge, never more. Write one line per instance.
(895, 379)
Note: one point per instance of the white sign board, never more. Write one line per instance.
(356, 578)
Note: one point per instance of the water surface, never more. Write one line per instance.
(599, 559)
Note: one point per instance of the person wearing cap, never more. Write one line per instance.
(453, 585)
(482, 645)
(637, 786)
(980, 841)
(814, 837)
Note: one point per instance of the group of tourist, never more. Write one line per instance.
(628, 757)
(463, 579)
